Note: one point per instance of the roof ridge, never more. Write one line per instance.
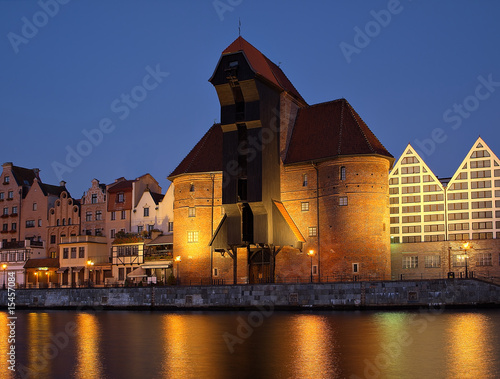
(359, 126)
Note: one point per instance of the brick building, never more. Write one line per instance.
(93, 210)
(64, 221)
(278, 179)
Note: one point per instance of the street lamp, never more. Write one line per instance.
(466, 247)
(90, 264)
(178, 260)
(311, 253)
(4, 266)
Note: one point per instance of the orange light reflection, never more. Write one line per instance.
(88, 341)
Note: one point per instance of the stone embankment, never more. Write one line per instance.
(353, 295)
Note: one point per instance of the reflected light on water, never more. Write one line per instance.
(89, 364)
(40, 352)
(468, 350)
(314, 348)
(4, 346)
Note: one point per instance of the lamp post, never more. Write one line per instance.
(90, 264)
(178, 260)
(311, 253)
(466, 247)
(4, 266)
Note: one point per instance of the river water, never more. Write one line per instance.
(258, 344)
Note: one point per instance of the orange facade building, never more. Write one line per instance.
(280, 190)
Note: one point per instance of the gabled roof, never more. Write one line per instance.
(49, 189)
(23, 176)
(162, 240)
(121, 185)
(206, 156)
(329, 130)
(262, 65)
(157, 197)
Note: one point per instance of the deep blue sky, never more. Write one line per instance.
(64, 80)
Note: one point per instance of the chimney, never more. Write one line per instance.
(62, 183)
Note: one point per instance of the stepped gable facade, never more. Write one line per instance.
(280, 189)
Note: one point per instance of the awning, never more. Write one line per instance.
(77, 269)
(162, 265)
(62, 270)
(137, 273)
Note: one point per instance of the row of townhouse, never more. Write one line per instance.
(49, 238)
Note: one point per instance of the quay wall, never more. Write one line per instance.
(353, 295)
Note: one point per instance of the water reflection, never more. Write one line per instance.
(313, 348)
(41, 351)
(89, 364)
(4, 346)
(470, 354)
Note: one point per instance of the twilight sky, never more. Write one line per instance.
(423, 72)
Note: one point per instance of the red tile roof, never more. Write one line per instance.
(328, 130)
(23, 176)
(263, 66)
(122, 185)
(41, 262)
(206, 156)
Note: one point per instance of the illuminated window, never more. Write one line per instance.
(191, 212)
(342, 173)
(313, 231)
(410, 261)
(304, 206)
(192, 237)
(343, 200)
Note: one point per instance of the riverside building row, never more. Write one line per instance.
(49, 238)
(278, 191)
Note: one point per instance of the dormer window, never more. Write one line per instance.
(120, 197)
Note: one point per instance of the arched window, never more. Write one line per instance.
(64, 221)
(342, 173)
(191, 188)
(57, 222)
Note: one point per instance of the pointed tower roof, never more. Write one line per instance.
(263, 66)
(331, 129)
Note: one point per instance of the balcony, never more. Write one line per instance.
(159, 256)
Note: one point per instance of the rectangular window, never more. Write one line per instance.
(481, 195)
(355, 268)
(481, 204)
(30, 223)
(313, 231)
(458, 196)
(94, 198)
(14, 210)
(65, 253)
(39, 222)
(433, 237)
(480, 164)
(433, 207)
(88, 216)
(434, 197)
(121, 273)
(304, 206)
(192, 237)
(482, 236)
(395, 230)
(411, 199)
(113, 215)
(393, 181)
(304, 180)
(412, 209)
(435, 217)
(52, 239)
(81, 252)
(458, 236)
(343, 200)
(73, 252)
(432, 261)
(10, 195)
(171, 226)
(2, 195)
(120, 197)
(484, 259)
(6, 179)
(432, 188)
(5, 211)
(412, 229)
(411, 239)
(411, 189)
(481, 184)
(410, 219)
(410, 261)
(98, 215)
(458, 260)
(457, 206)
(480, 174)
(146, 212)
(14, 226)
(459, 226)
(140, 228)
(482, 225)
(410, 170)
(394, 210)
(394, 200)
(393, 191)
(112, 233)
(394, 220)
(124, 215)
(342, 173)
(216, 272)
(459, 186)
(315, 270)
(433, 228)
(191, 212)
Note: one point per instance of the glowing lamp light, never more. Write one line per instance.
(178, 258)
(310, 253)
